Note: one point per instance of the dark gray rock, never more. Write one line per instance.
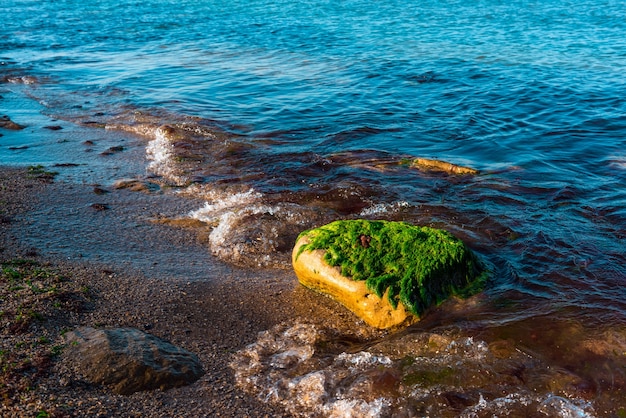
(130, 360)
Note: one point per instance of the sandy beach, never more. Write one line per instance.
(140, 273)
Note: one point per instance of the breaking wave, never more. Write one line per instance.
(416, 374)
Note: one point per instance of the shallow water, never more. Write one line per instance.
(286, 115)
(443, 374)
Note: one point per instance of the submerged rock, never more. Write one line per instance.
(387, 273)
(130, 360)
(442, 166)
(136, 185)
(7, 123)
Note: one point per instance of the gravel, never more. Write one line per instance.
(121, 268)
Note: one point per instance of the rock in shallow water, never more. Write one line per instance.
(387, 273)
(314, 273)
(130, 360)
(441, 166)
(7, 123)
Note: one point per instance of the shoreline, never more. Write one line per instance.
(135, 270)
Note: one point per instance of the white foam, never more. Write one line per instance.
(219, 237)
(566, 408)
(308, 391)
(383, 208)
(549, 405)
(147, 130)
(362, 360)
(283, 366)
(217, 202)
(198, 130)
(292, 356)
(468, 348)
(161, 153)
(498, 405)
(356, 408)
(246, 230)
(618, 162)
(225, 211)
(280, 367)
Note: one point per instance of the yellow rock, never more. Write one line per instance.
(313, 272)
(437, 165)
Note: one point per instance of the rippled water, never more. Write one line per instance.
(284, 115)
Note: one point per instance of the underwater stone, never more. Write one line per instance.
(7, 123)
(387, 273)
(442, 166)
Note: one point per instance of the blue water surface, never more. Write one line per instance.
(488, 82)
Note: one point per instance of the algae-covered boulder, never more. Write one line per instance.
(388, 273)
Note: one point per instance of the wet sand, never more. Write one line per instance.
(151, 276)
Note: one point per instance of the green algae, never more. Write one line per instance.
(420, 266)
(430, 377)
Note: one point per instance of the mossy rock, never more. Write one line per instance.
(412, 267)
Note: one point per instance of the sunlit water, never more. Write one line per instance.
(286, 115)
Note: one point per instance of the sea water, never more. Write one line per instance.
(284, 115)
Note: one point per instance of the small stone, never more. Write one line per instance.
(66, 165)
(136, 185)
(100, 191)
(100, 206)
(112, 150)
(7, 123)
